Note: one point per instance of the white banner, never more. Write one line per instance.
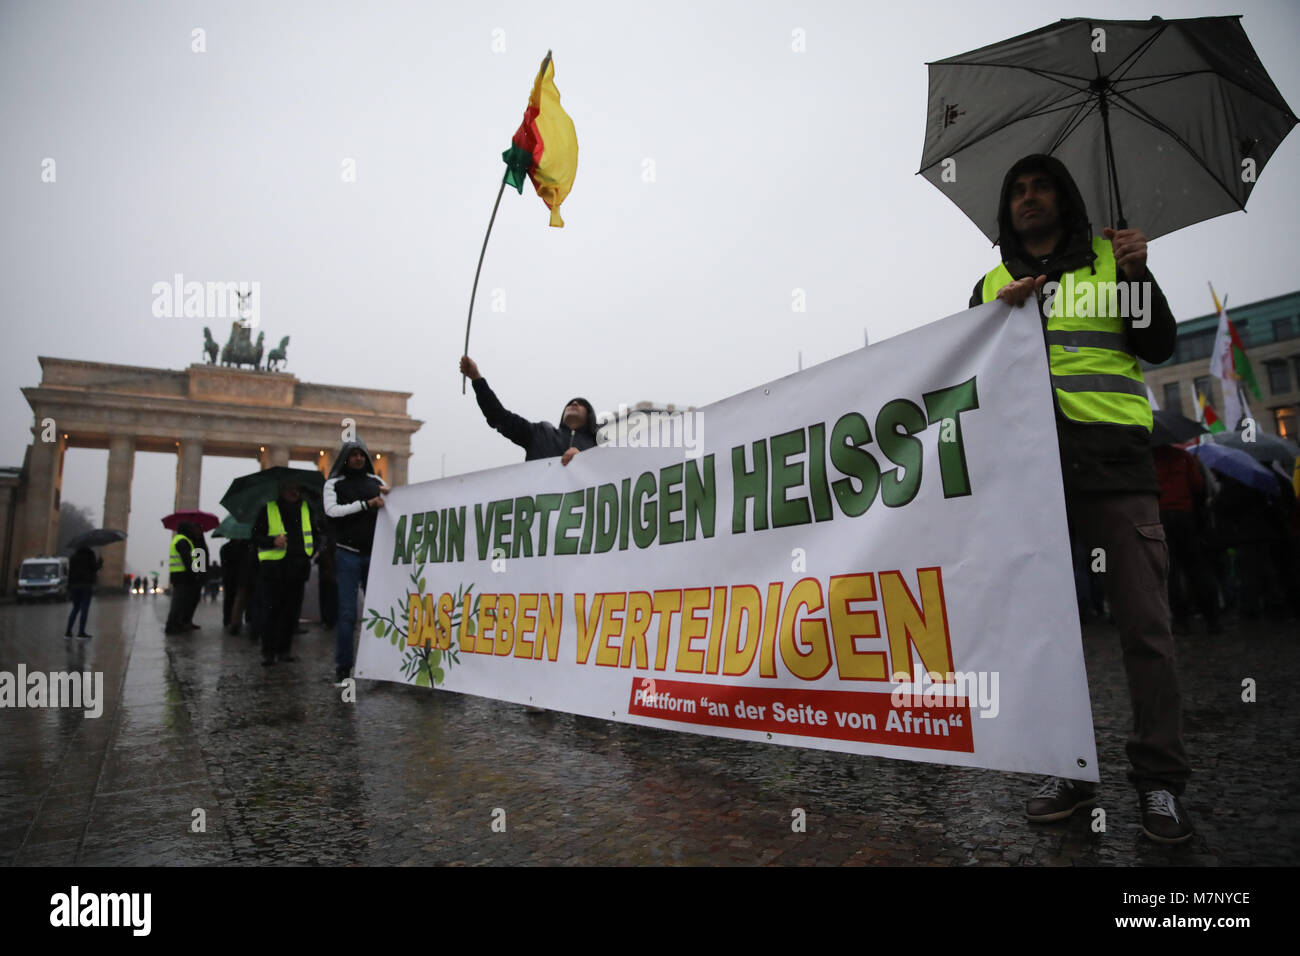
(869, 556)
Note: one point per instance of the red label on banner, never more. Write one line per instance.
(868, 717)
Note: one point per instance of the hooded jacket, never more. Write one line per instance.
(345, 495)
(1094, 457)
(537, 439)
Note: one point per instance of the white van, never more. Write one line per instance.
(40, 578)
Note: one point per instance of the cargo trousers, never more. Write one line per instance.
(1136, 560)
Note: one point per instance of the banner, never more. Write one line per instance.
(868, 556)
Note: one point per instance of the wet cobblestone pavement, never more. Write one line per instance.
(286, 773)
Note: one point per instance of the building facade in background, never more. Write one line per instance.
(1270, 332)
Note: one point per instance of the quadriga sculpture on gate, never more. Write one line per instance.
(240, 350)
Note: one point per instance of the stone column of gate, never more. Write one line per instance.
(117, 506)
(275, 455)
(189, 473)
(44, 468)
(396, 468)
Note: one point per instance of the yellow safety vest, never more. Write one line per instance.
(1095, 378)
(175, 564)
(276, 528)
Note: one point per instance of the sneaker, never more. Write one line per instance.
(1057, 799)
(84, 636)
(1163, 817)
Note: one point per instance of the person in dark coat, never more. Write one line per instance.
(201, 560)
(1181, 489)
(233, 555)
(82, 571)
(283, 535)
(576, 431)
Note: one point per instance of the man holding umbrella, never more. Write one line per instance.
(1103, 426)
(284, 539)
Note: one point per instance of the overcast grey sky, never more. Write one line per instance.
(773, 170)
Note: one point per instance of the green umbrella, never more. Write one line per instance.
(232, 529)
(248, 494)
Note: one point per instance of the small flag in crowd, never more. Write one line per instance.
(1208, 416)
(1228, 360)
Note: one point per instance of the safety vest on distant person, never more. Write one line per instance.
(175, 564)
(275, 528)
(1096, 379)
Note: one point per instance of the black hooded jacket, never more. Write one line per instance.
(537, 439)
(345, 495)
(1094, 457)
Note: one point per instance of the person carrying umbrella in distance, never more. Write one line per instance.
(185, 580)
(353, 495)
(575, 433)
(1103, 423)
(284, 540)
(82, 571)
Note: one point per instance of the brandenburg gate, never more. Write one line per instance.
(271, 417)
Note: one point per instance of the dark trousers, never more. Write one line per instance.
(185, 596)
(80, 604)
(1189, 569)
(196, 594)
(1128, 528)
(281, 605)
(227, 600)
(329, 599)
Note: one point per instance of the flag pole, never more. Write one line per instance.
(473, 292)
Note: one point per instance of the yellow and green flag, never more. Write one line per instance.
(545, 145)
(1208, 415)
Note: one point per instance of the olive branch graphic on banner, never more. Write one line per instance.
(423, 665)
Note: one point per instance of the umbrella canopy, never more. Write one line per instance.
(1238, 466)
(1170, 428)
(1164, 123)
(248, 494)
(96, 538)
(206, 521)
(1265, 448)
(232, 529)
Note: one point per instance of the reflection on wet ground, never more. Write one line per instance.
(202, 756)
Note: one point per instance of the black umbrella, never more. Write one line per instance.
(96, 538)
(1165, 122)
(247, 494)
(1170, 428)
(1261, 447)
